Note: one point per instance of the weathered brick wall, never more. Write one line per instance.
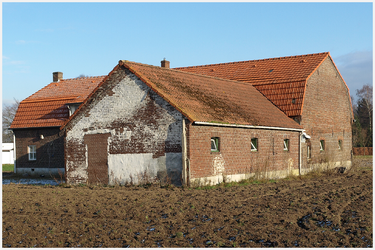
(144, 133)
(362, 150)
(235, 156)
(327, 116)
(49, 151)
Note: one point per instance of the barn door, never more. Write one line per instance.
(97, 154)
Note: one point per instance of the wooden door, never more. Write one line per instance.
(97, 158)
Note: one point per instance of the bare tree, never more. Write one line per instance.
(9, 111)
(365, 99)
(362, 109)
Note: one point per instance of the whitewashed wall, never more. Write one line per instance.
(139, 122)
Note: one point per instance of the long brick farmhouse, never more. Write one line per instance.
(308, 89)
(195, 125)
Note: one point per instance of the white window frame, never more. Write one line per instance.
(322, 145)
(215, 141)
(254, 148)
(31, 151)
(286, 144)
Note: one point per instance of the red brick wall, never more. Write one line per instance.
(49, 151)
(235, 145)
(327, 115)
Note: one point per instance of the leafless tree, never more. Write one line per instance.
(9, 111)
(362, 109)
(365, 98)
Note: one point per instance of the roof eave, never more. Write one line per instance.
(248, 126)
(57, 126)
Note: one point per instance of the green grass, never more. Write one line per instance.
(8, 167)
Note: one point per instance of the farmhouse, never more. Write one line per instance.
(39, 143)
(194, 125)
(145, 121)
(308, 89)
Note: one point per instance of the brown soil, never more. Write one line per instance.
(331, 210)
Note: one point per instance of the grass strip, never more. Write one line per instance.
(8, 167)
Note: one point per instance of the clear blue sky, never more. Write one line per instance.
(90, 38)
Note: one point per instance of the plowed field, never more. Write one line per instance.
(330, 210)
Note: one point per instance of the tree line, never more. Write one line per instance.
(362, 110)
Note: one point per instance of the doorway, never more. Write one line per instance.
(97, 155)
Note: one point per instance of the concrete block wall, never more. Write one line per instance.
(49, 151)
(327, 116)
(235, 160)
(144, 134)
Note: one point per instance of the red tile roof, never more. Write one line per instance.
(208, 99)
(46, 108)
(279, 79)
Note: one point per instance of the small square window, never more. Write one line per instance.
(322, 145)
(32, 152)
(286, 144)
(254, 144)
(72, 108)
(340, 144)
(215, 144)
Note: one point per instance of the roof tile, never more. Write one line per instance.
(270, 76)
(47, 107)
(209, 99)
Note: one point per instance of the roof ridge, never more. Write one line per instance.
(77, 78)
(256, 60)
(185, 72)
(62, 80)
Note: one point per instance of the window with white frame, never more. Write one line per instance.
(286, 144)
(254, 144)
(215, 144)
(308, 143)
(322, 145)
(308, 152)
(32, 152)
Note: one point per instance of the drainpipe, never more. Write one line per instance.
(14, 153)
(300, 152)
(184, 152)
(65, 160)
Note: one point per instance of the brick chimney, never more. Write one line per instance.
(165, 64)
(57, 76)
